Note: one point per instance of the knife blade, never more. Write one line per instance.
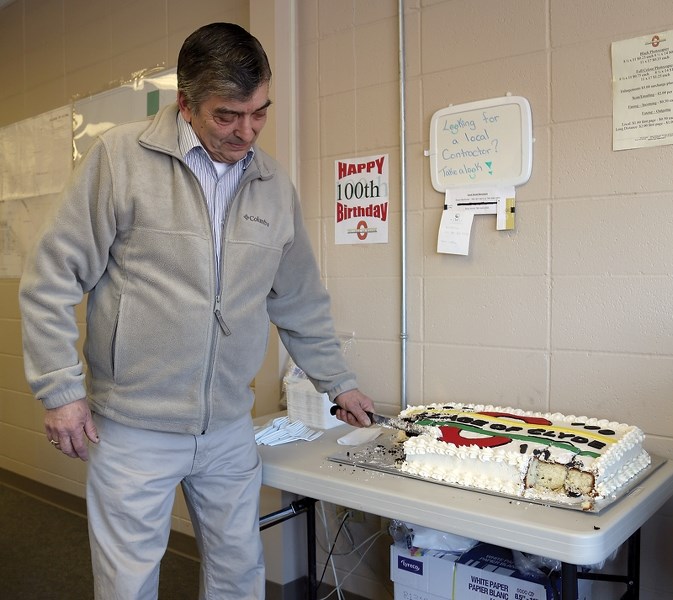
(391, 422)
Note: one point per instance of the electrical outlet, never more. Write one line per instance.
(356, 516)
(341, 512)
(353, 516)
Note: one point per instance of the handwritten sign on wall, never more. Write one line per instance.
(482, 143)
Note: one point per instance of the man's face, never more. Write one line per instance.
(228, 128)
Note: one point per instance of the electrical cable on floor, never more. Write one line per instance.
(349, 534)
(368, 542)
(330, 559)
(327, 536)
(330, 556)
(371, 540)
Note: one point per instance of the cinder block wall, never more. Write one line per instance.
(572, 311)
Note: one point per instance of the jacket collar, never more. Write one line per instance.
(162, 135)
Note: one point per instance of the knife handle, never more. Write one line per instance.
(335, 407)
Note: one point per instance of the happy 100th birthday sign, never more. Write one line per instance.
(483, 143)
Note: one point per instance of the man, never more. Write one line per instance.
(188, 239)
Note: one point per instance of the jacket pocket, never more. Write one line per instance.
(113, 345)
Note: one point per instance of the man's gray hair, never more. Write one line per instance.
(221, 59)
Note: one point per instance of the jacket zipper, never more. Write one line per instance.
(220, 318)
(217, 310)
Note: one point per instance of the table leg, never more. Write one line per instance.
(633, 567)
(303, 505)
(311, 546)
(569, 581)
(569, 575)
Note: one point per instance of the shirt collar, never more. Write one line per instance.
(188, 141)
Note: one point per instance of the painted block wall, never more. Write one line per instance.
(570, 312)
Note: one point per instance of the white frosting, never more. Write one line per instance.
(503, 469)
(468, 466)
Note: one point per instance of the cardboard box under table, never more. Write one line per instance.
(488, 572)
(485, 572)
(421, 574)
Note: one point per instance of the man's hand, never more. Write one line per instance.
(68, 428)
(352, 406)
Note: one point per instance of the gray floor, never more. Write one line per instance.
(44, 554)
(44, 550)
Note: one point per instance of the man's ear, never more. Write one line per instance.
(183, 106)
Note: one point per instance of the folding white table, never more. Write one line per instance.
(571, 536)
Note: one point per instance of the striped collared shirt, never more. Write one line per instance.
(219, 181)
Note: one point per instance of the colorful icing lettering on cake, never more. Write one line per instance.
(500, 428)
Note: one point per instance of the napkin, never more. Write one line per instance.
(361, 435)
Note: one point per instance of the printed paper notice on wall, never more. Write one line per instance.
(642, 91)
(361, 193)
(482, 143)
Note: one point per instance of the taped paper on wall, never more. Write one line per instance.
(505, 214)
(460, 206)
(454, 231)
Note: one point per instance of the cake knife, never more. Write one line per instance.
(391, 422)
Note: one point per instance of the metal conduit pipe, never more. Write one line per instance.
(403, 203)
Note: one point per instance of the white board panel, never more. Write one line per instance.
(482, 143)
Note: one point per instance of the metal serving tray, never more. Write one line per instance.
(385, 454)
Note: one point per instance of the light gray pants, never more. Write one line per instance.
(132, 476)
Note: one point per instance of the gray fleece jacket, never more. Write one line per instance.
(165, 349)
